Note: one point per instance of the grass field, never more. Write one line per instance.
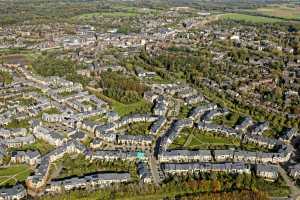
(281, 11)
(209, 141)
(141, 106)
(125, 109)
(249, 18)
(13, 174)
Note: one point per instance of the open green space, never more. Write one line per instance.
(249, 18)
(281, 11)
(192, 138)
(13, 174)
(210, 141)
(40, 145)
(5, 77)
(229, 120)
(79, 166)
(18, 124)
(141, 106)
(139, 128)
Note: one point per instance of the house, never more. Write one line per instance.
(268, 172)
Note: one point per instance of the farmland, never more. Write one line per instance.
(284, 12)
(249, 18)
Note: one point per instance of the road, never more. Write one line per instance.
(295, 191)
(154, 170)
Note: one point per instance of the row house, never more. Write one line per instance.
(268, 172)
(40, 177)
(288, 135)
(16, 132)
(161, 106)
(294, 171)
(16, 192)
(194, 99)
(219, 129)
(174, 131)
(49, 136)
(190, 168)
(210, 115)
(144, 172)
(112, 155)
(157, 125)
(17, 142)
(144, 140)
(29, 157)
(244, 124)
(197, 112)
(259, 128)
(185, 156)
(261, 141)
(90, 181)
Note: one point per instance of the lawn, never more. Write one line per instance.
(79, 166)
(203, 140)
(141, 106)
(249, 18)
(179, 141)
(13, 174)
(209, 141)
(139, 128)
(229, 120)
(18, 124)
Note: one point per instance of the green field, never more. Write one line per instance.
(39, 145)
(14, 174)
(125, 109)
(249, 18)
(106, 14)
(280, 11)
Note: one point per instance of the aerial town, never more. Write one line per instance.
(135, 100)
